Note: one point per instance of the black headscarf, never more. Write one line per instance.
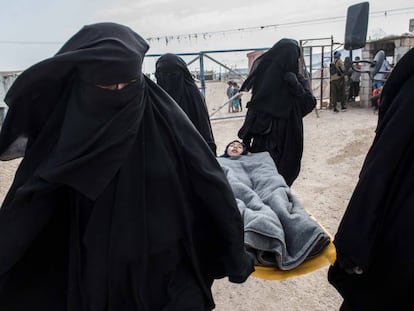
(118, 201)
(375, 233)
(174, 77)
(270, 93)
(280, 99)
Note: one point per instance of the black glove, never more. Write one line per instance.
(348, 266)
(291, 79)
(304, 82)
(295, 87)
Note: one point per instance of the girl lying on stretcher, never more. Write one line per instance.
(278, 231)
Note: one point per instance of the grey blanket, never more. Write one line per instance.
(278, 230)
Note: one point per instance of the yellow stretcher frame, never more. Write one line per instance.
(327, 257)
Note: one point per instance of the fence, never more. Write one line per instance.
(220, 66)
(234, 65)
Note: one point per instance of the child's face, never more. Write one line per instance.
(235, 149)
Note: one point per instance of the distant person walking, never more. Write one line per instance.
(347, 76)
(237, 100)
(355, 80)
(337, 82)
(229, 93)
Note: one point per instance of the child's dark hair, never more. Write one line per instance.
(226, 155)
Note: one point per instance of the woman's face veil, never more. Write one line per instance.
(106, 53)
(99, 54)
(173, 75)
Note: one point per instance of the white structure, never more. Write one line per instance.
(394, 47)
(6, 80)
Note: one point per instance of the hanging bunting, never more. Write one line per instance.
(208, 35)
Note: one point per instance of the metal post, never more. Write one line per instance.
(310, 63)
(224, 66)
(202, 77)
(322, 78)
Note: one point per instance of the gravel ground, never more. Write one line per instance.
(335, 146)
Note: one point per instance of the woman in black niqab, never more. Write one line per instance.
(174, 77)
(117, 204)
(374, 269)
(280, 99)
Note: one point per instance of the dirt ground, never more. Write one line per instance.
(335, 147)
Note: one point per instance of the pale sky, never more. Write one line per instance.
(33, 30)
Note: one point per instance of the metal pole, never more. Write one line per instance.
(222, 65)
(310, 76)
(192, 61)
(322, 78)
(202, 77)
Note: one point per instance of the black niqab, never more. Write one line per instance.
(376, 229)
(118, 204)
(174, 77)
(269, 92)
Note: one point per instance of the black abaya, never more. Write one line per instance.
(280, 99)
(374, 236)
(174, 77)
(118, 203)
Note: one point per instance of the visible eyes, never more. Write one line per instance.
(117, 86)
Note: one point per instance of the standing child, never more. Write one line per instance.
(236, 101)
(229, 93)
(376, 96)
